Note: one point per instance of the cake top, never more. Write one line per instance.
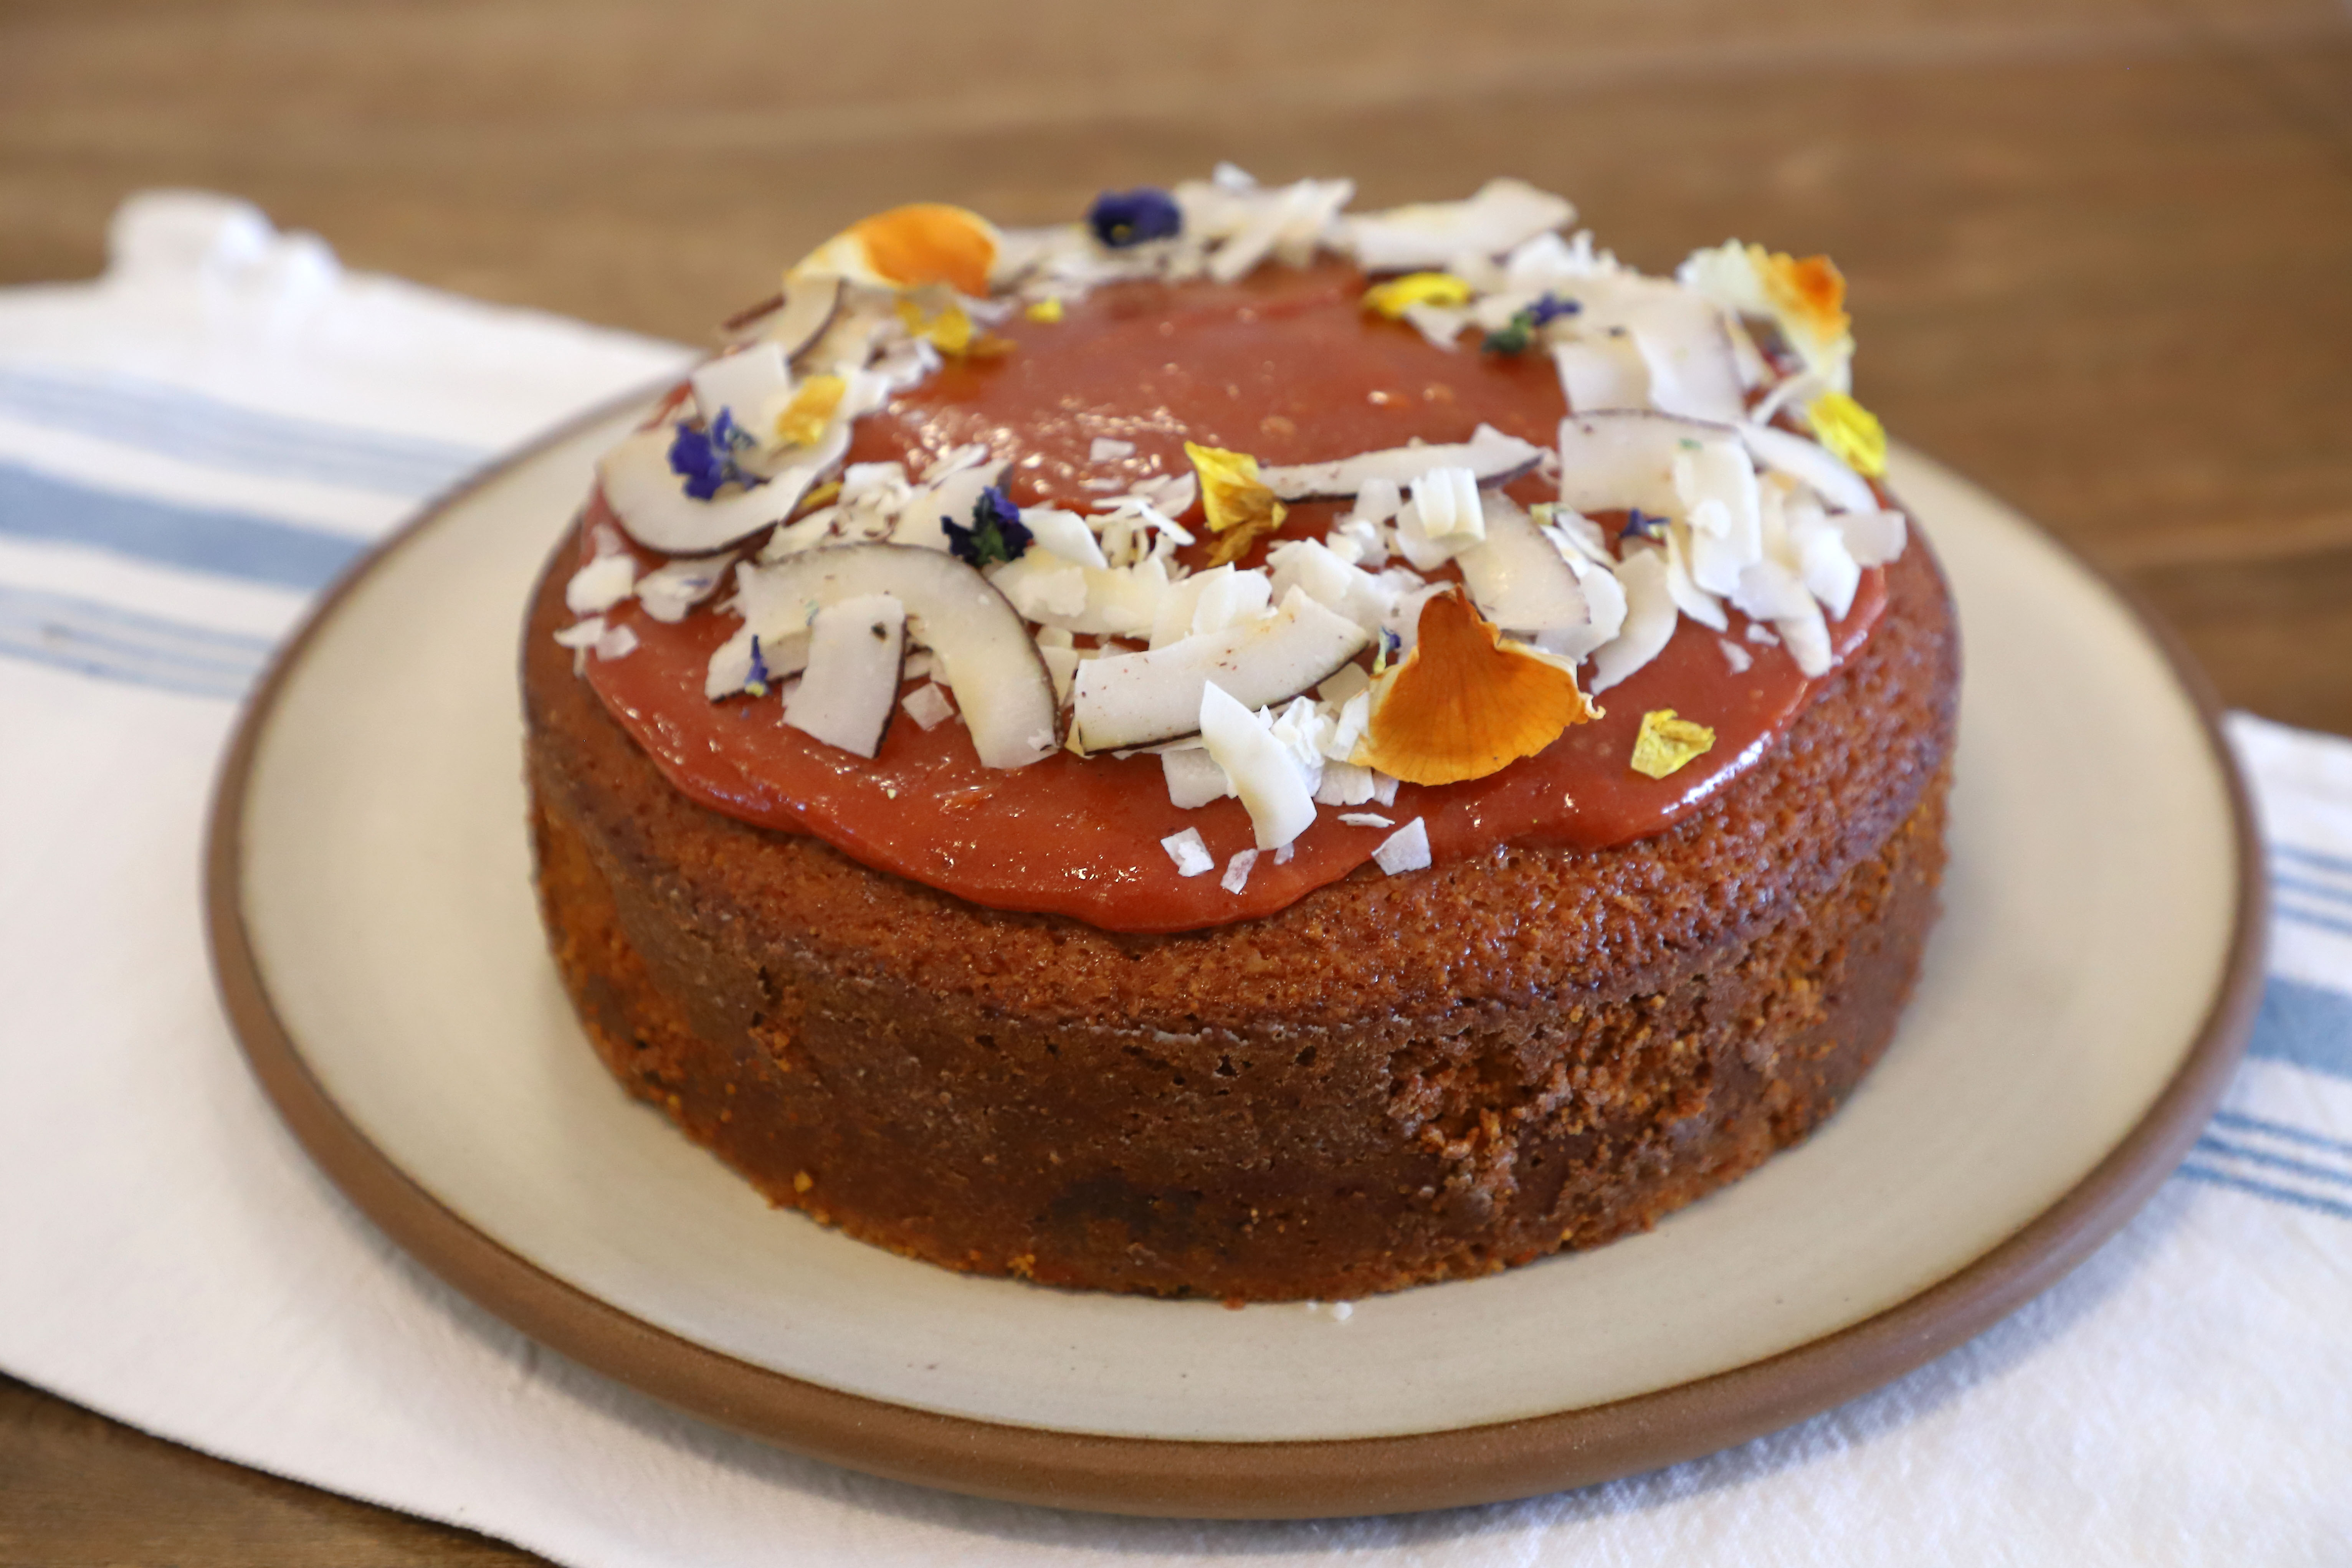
(1226, 532)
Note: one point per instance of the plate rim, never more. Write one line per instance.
(1160, 1477)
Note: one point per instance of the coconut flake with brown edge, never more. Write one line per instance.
(1464, 703)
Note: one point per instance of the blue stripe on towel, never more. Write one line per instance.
(228, 544)
(111, 644)
(2313, 919)
(176, 422)
(2265, 1190)
(2304, 1025)
(2326, 892)
(2312, 858)
(2212, 1145)
(2239, 1121)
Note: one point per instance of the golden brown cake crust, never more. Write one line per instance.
(1392, 1081)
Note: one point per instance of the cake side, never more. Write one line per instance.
(1395, 1079)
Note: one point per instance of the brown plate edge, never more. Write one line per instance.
(1171, 1478)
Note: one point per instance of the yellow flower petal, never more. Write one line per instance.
(1240, 508)
(804, 420)
(1392, 298)
(1667, 743)
(1046, 311)
(949, 331)
(1464, 703)
(1850, 430)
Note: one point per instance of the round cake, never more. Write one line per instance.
(1239, 749)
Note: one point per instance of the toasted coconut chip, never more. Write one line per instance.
(1840, 488)
(1141, 699)
(1190, 852)
(981, 649)
(1649, 625)
(1517, 577)
(1406, 849)
(1464, 703)
(802, 314)
(1492, 457)
(1625, 457)
(1667, 743)
(1504, 214)
(1268, 778)
(1602, 372)
(601, 584)
(670, 590)
(857, 649)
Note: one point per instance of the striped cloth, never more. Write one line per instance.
(191, 445)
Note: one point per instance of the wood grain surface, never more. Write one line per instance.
(2100, 255)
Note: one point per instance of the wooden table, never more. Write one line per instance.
(2100, 250)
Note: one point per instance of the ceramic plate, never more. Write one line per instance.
(2082, 1002)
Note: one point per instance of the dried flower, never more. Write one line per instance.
(1240, 508)
(705, 455)
(997, 532)
(1850, 430)
(1516, 335)
(804, 420)
(1667, 743)
(1121, 218)
(1464, 703)
(1398, 295)
(1048, 311)
(1640, 524)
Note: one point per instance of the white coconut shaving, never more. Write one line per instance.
(1237, 871)
(1189, 853)
(1406, 849)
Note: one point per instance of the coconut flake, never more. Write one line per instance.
(928, 704)
(1265, 774)
(1504, 214)
(1139, 700)
(1189, 853)
(1343, 784)
(1517, 577)
(856, 651)
(1649, 625)
(1367, 819)
(601, 584)
(1193, 778)
(977, 640)
(1104, 450)
(1602, 372)
(1492, 457)
(1237, 871)
(1840, 488)
(744, 384)
(676, 587)
(1065, 533)
(1738, 657)
(1406, 849)
(1873, 537)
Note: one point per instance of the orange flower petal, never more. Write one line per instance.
(1464, 703)
(1812, 291)
(929, 242)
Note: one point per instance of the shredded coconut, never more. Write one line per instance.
(1189, 853)
(1406, 849)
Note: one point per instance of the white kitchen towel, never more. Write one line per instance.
(191, 445)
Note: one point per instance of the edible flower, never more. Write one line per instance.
(950, 330)
(1809, 293)
(819, 495)
(909, 246)
(804, 420)
(1239, 507)
(1667, 743)
(756, 682)
(1048, 311)
(1850, 430)
(1398, 295)
(705, 456)
(1640, 524)
(1514, 336)
(1464, 703)
(997, 532)
(1121, 218)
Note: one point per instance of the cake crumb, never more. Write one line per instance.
(803, 1181)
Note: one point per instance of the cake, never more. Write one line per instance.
(1242, 750)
